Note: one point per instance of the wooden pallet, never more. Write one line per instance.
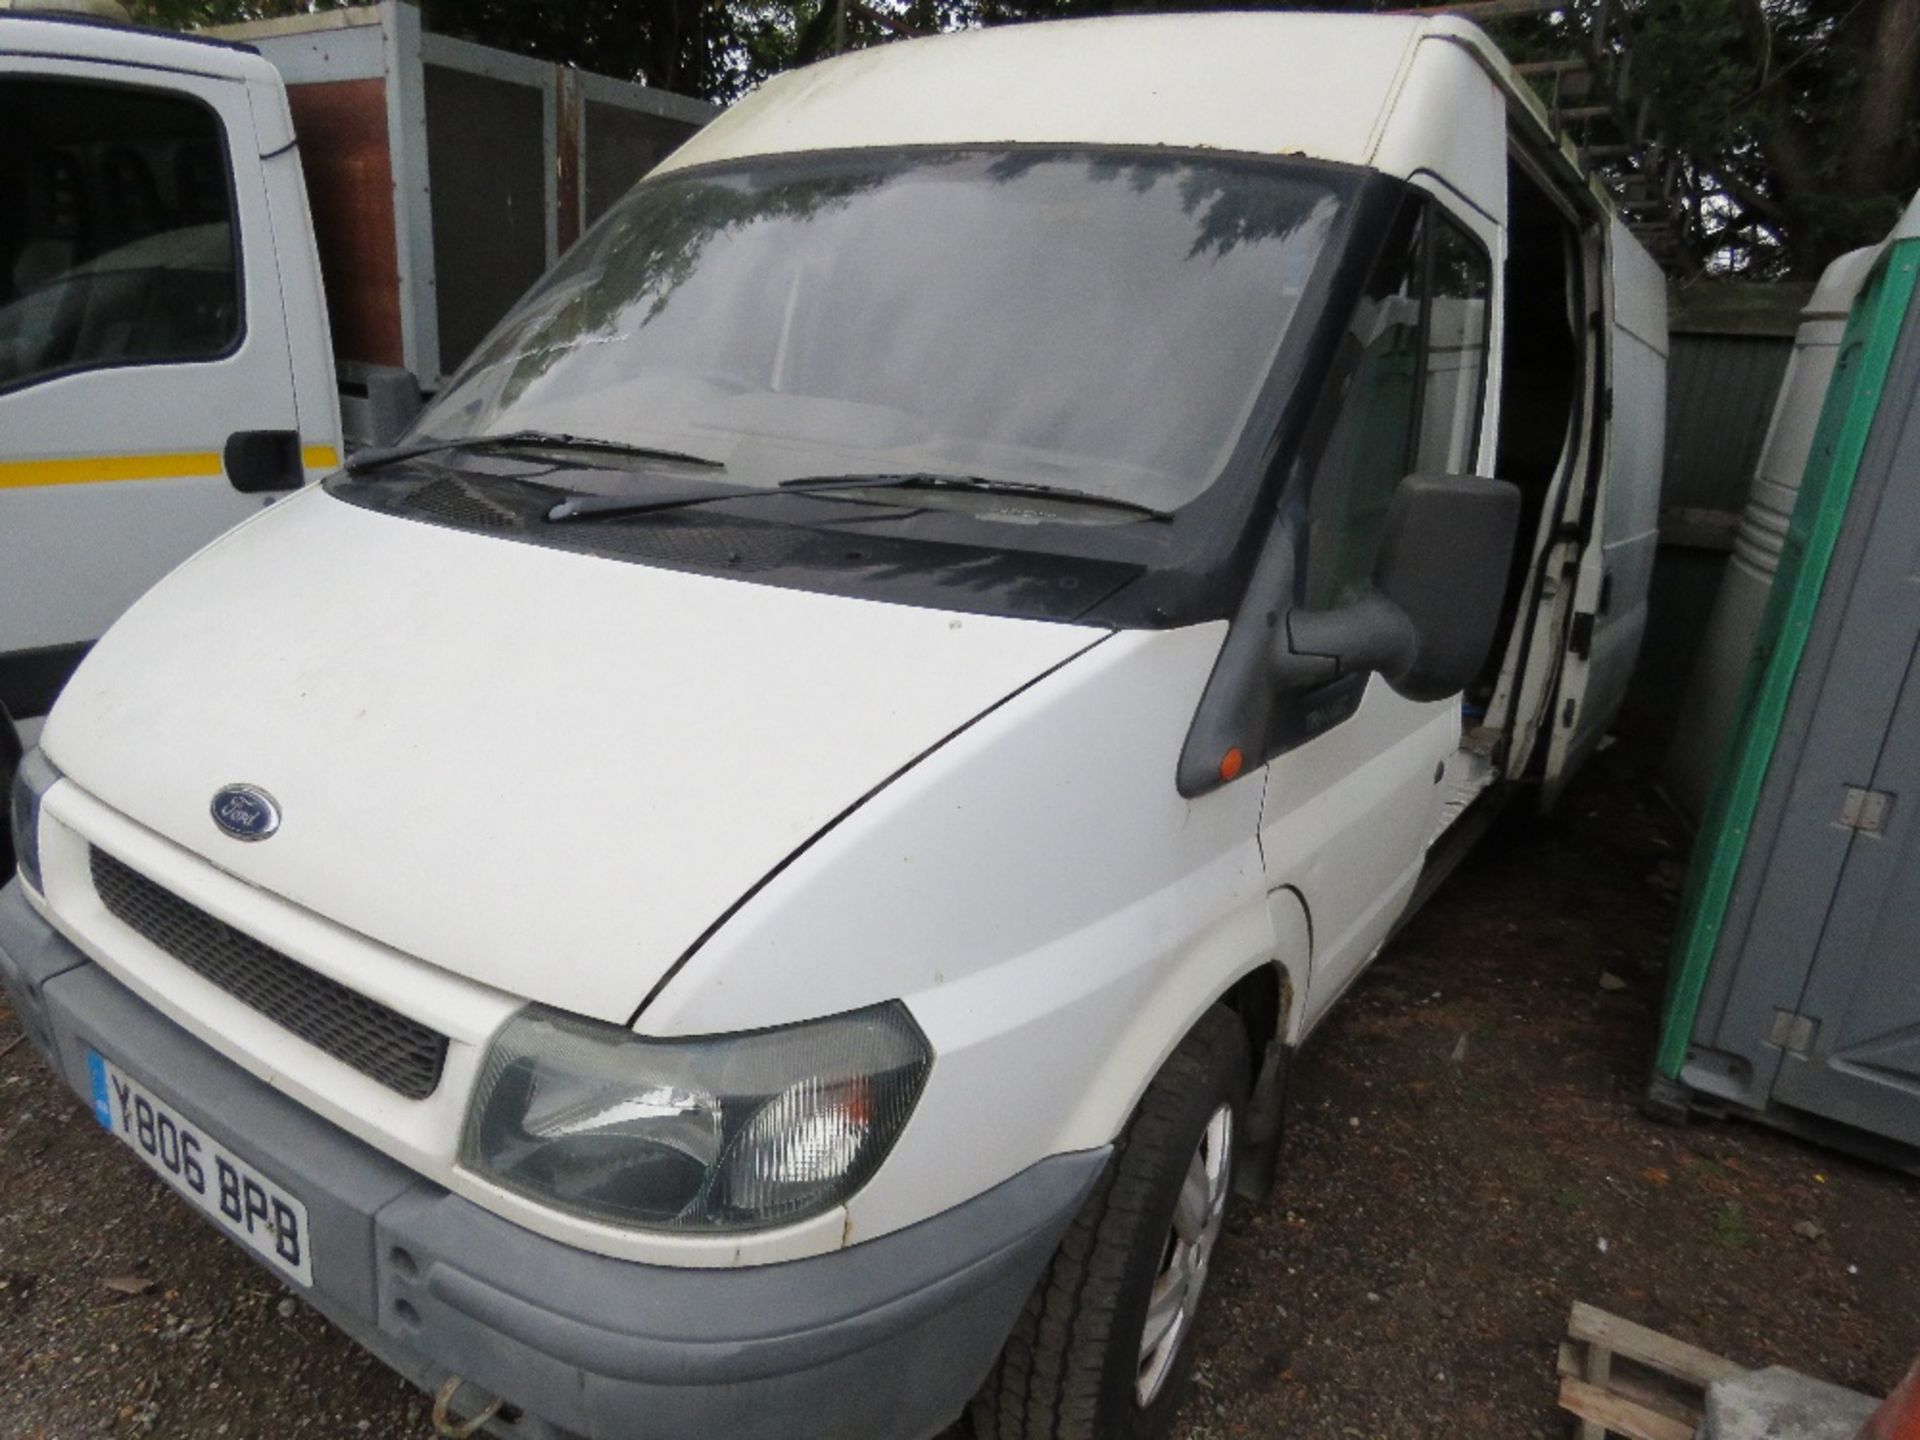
(1623, 1379)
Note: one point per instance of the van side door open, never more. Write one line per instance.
(1623, 518)
(1581, 432)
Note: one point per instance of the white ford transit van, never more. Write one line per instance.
(760, 874)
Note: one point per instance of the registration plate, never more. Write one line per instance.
(240, 1200)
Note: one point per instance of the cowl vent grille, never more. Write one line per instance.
(382, 1044)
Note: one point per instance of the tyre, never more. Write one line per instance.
(10, 752)
(1102, 1350)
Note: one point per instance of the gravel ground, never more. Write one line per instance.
(1465, 1159)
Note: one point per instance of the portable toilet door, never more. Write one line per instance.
(1793, 992)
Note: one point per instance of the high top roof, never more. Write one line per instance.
(1259, 82)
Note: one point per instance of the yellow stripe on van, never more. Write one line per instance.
(95, 469)
(103, 469)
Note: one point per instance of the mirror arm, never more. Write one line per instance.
(1317, 647)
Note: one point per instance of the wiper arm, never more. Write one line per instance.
(978, 484)
(611, 507)
(523, 440)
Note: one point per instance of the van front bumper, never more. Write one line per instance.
(887, 1338)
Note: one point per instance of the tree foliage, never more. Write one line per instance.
(1806, 140)
(1796, 123)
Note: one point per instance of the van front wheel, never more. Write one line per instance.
(1103, 1349)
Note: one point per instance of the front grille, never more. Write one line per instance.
(401, 1054)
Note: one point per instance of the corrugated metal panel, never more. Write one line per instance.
(1720, 394)
(622, 145)
(1721, 390)
(487, 152)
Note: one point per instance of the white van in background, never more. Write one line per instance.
(155, 388)
(760, 875)
(167, 362)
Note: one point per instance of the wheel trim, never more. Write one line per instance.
(1197, 1218)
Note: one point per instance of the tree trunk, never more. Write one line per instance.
(1881, 150)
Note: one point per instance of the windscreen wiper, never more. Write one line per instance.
(609, 507)
(523, 440)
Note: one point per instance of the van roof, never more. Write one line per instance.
(72, 37)
(1260, 82)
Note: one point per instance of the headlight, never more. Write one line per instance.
(31, 782)
(732, 1132)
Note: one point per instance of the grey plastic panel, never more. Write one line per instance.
(341, 1182)
(888, 1339)
(30, 956)
(628, 1321)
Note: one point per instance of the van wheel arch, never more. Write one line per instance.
(1071, 1368)
(1263, 1001)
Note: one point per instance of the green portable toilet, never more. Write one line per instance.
(1794, 990)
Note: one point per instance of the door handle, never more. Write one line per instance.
(261, 461)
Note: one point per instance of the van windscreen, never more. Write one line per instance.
(1094, 320)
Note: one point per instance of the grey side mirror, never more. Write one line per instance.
(1429, 621)
(377, 403)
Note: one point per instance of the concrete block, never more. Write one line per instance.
(1781, 1404)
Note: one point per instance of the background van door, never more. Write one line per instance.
(134, 343)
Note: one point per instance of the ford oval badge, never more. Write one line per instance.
(246, 812)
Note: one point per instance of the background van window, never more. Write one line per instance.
(117, 241)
